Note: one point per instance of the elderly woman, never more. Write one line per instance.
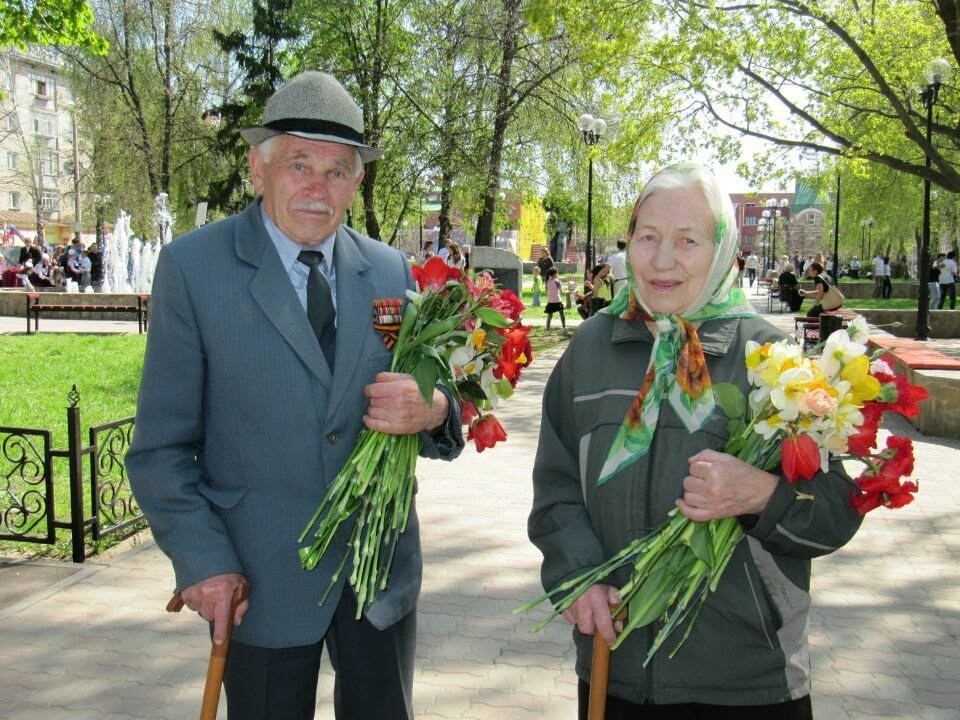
(630, 430)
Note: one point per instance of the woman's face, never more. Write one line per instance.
(672, 249)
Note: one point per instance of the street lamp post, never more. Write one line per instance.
(763, 226)
(772, 215)
(836, 236)
(937, 73)
(866, 231)
(76, 176)
(592, 129)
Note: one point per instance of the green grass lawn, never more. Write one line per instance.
(37, 373)
(878, 304)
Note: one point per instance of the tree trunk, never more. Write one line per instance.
(369, 211)
(484, 234)
(168, 93)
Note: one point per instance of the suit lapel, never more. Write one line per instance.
(355, 294)
(273, 292)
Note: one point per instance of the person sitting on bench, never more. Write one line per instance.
(789, 288)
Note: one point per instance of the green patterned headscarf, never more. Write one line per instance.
(677, 370)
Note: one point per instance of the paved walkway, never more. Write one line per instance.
(884, 634)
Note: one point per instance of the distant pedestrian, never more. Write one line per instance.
(537, 286)
(554, 303)
(618, 266)
(935, 282)
(887, 285)
(879, 271)
(741, 265)
(948, 280)
(545, 262)
(752, 268)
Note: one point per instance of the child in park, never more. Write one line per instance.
(554, 304)
(537, 286)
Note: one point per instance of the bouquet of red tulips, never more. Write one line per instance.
(463, 333)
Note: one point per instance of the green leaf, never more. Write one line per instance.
(651, 599)
(491, 317)
(730, 399)
(701, 543)
(426, 376)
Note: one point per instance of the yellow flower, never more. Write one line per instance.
(478, 337)
(863, 386)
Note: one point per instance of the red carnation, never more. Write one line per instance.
(865, 440)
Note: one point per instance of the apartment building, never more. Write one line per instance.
(38, 176)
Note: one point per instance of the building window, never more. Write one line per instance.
(42, 88)
(13, 161)
(51, 164)
(44, 126)
(12, 123)
(749, 220)
(50, 201)
(14, 201)
(811, 219)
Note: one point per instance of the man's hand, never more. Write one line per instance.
(591, 613)
(720, 485)
(212, 597)
(398, 408)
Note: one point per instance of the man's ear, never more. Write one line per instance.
(256, 162)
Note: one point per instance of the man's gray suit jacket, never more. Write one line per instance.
(241, 427)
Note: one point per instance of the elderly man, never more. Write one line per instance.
(257, 381)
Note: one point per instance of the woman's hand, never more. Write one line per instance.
(720, 485)
(591, 613)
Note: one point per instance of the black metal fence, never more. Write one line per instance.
(29, 488)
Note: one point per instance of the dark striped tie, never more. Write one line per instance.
(320, 310)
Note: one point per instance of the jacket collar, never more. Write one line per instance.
(716, 336)
(272, 290)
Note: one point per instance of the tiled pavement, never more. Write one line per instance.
(884, 632)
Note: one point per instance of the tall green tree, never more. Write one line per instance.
(261, 54)
(48, 22)
(833, 77)
(141, 104)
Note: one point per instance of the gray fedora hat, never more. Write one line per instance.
(314, 106)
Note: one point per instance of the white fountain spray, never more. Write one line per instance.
(129, 262)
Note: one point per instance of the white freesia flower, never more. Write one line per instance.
(791, 386)
(414, 297)
(837, 352)
(858, 329)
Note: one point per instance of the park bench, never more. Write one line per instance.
(937, 373)
(809, 331)
(38, 304)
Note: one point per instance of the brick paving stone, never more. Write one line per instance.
(884, 631)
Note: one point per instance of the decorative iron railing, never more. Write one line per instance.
(28, 486)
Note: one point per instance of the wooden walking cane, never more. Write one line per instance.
(218, 653)
(600, 671)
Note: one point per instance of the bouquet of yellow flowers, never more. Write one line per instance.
(463, 333)
(800, 412)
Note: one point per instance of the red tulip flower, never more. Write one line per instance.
(799, 457)
(433, 275)
(468, 412)
(486, 432)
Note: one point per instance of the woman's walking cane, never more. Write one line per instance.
(218, 653)
(600, 671)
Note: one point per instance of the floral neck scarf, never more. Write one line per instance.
(678, 370)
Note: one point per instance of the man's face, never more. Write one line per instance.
(307, 186)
